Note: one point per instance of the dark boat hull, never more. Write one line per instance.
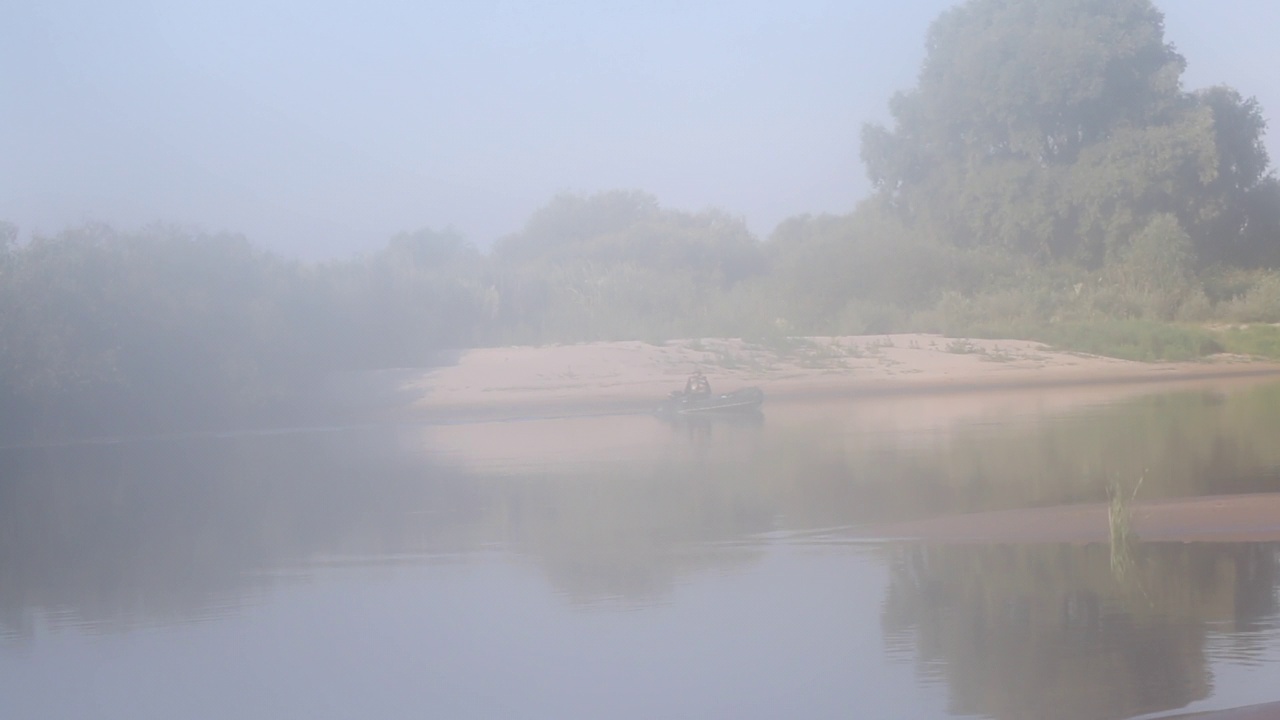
(746, 400)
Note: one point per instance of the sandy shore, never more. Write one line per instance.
(498, 383)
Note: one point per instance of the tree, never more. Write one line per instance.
(8, 236)
(617, 265)
(1247, 210)
(823, 264)
(562, 228)
(630, 227)
(1057, 129)
(428, 249)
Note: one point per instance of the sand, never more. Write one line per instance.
(605, 377)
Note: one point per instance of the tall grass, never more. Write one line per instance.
(1120, 524)
(1256, 340)
(1144, 340)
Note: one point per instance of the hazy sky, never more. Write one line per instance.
(321, 128)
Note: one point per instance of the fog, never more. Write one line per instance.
(322, 130)
(341, 356)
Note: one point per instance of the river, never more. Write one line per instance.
(625, 567)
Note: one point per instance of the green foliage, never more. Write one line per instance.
(1252, 297)
(1244, 228)
(864, 272)
(570, 224)
(1261, 341)
(1143, 340)
(1058, 129)
(1152, 277)
(91, 317)
(163, 328)
(629, 228)
(618, 266)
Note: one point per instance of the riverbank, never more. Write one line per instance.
(614, 377)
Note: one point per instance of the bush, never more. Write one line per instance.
(1259, 302)
(1256, 340)
(1144, 340)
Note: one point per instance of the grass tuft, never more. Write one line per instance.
(1120, 524)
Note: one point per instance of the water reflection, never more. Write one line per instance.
(112, 537)
(623, 512)
(122, 533)
(1046, 630)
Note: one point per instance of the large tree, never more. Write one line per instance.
(1060, 129)
(630, 227)
(618, 265)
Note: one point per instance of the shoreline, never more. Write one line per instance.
(631, 377)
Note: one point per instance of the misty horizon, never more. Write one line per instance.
(566, 359)
(322, 133)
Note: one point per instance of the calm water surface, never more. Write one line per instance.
(625, 568)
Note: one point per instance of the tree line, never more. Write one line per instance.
(1047, 168)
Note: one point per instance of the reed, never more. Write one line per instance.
(1120, 523)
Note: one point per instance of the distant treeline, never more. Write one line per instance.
(1047, 169)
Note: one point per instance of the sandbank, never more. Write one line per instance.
(632, 376)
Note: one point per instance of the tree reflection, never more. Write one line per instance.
(171, 530)
(1045, 631)
(839, 468)
(110, 537)
(113, 536)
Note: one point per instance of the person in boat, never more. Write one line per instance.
(697, 385)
